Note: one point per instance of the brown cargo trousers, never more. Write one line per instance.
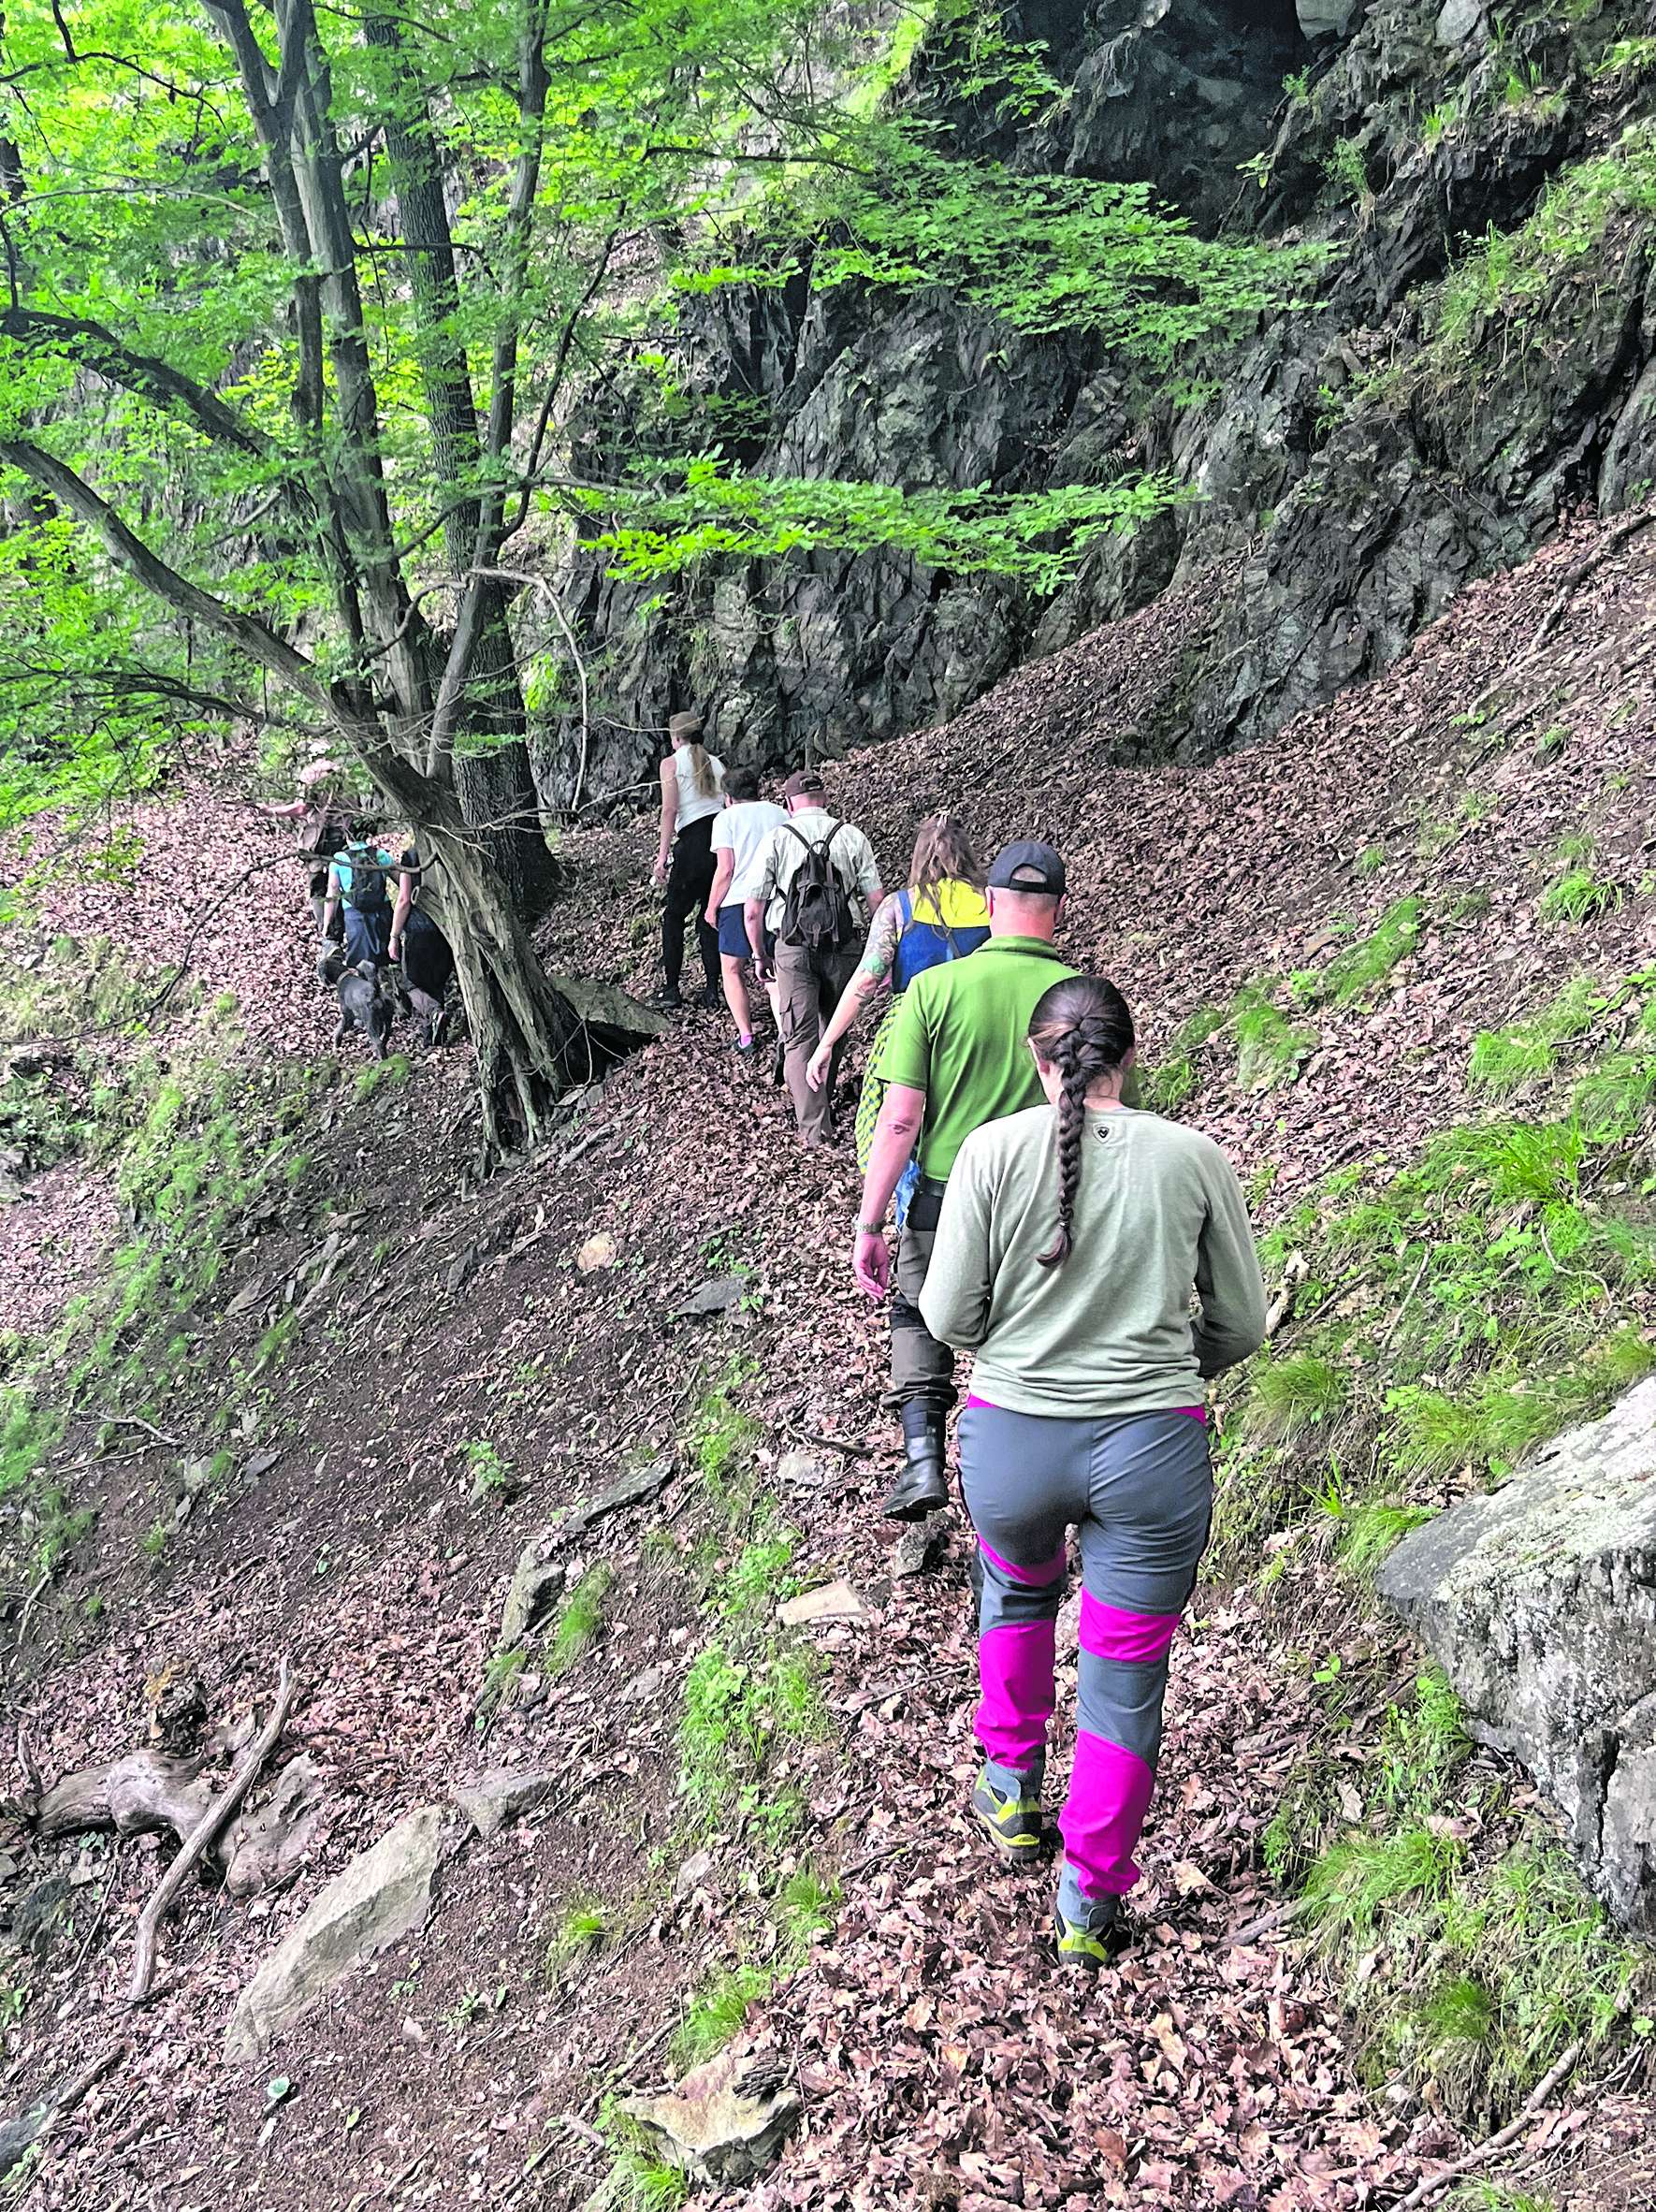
(808, 989)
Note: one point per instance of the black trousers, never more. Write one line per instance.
(689, 882)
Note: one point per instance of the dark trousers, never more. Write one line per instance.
(922, 1369)
(367, 934)
(808, 988)
(689, 883)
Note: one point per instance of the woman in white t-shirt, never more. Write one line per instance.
(693, 797)
(740, 834)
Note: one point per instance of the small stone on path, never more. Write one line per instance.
(834, 1601)
(383, 1895)
(716, 1297)
(920, 1547)
(503, 1795)
(720, 2125)
(537, 1585)
(802, 1470)
(636, 1488)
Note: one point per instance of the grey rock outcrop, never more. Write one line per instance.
(383, 1895)
(1539, 1602)
(536, 1586)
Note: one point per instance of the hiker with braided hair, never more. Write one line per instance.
(1072, 1239)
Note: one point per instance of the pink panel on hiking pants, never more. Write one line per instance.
(1015, 1669)
(1109, 1631)
(1103, 1817)
(1036, 1577)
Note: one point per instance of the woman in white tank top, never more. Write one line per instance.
(693, 794)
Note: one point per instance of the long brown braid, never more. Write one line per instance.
(1081, 1027)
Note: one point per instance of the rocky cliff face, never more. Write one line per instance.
(1420, 422)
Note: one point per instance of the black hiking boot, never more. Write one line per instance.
(712, 997)
(922, 1488)
(672, 998)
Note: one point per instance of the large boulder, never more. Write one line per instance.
(383, 1895)
(1539, 1602)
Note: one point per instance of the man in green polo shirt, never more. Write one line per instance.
(957, 1056)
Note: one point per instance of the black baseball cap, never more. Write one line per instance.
(802, 783)
(1027, 864)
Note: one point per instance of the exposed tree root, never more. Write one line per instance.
(159, 1792)
(19, 2136)
(1617, 536)
(202, 1836)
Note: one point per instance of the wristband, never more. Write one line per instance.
(871, 1228)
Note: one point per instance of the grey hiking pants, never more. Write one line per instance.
(1138, 1487)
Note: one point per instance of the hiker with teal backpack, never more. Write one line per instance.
(359, 877)
(816, 883)
(942, 915)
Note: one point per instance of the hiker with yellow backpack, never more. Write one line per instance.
(942, 915)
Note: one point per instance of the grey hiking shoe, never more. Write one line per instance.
(1007, 1807)
(1091, 1931)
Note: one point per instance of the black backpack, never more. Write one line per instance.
(367, 886)
(816, 907)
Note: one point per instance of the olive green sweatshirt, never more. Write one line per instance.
(1158, 1215)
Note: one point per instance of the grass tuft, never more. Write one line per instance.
(1578, 897)
(1292, 1396)
(579, 1620)
(1270, 1049)
(579, 1932)
(1353, 974)
(718, 2012)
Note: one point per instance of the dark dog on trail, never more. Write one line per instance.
(417, 986)
(366, 1002)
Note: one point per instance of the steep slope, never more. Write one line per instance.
(738, 1814)
(1476, 360)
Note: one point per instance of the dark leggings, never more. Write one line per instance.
(689, 883)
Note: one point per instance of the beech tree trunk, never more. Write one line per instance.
(497, 785)
(531, 1044)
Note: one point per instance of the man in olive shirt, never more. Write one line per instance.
(957, 1057)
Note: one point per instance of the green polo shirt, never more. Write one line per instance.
(959, 1036)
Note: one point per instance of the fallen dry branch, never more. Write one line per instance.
(1295, 1270)
(1281, 1916)
(1612, 541)
(137, 1421)
(19, 2136)
(1432, 2183)
(201, 1836)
